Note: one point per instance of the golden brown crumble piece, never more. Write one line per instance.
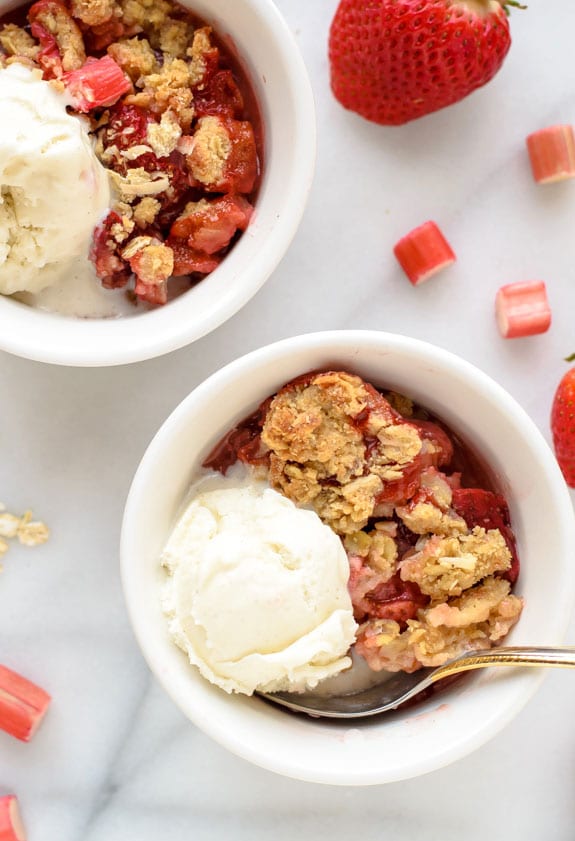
(173, 37)
(93, 12)
(135, 56)
(320, 456)
(163, 136)
(489, 602)
(211, 149)
(479, 618)
(17, 42)
(145, 211)
(436, 487)
(147, 14)
(399, 444)
(155, 260)
(377, 547)
(430, 512)
(446, 566)
(313, 424)
(120, 231)
(426, 518)
(57, 22)
(349, 507)
(401, 403)
(167, 89)
(138, 182)
(199, 51)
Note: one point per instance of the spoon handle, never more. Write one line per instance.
(507, 656)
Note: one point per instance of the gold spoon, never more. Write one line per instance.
(401, 687)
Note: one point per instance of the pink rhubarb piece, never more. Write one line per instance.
(11, 828)
(522, 309)
(423, 252)
(99, 82)
(23, 705)
(552, 154)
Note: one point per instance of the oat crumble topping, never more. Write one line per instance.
(431, 563)
(169, 120)
(27, 531)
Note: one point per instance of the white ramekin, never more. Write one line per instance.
(406, 743)
(272, 59)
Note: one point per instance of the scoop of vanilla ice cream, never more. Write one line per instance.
(257, 591)
(53, 189)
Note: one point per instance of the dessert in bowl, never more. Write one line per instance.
(522, 469)
(148, 202)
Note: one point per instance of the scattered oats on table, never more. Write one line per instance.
(27, 531)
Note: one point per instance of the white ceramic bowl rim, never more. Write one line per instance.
(252, 731)
(49, 337)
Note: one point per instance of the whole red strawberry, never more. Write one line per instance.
(563, 426)
(395, 60)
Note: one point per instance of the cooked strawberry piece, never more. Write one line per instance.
(440, 451)
(242, 166)
(98, 38)
(552, 154)
(127, 127)
(110, 268)
(189, 261)
(483, 508)
(99, 82)
(375, 597)
(423, 252)
(522, 309)
(242, 443)
(396, 599)
(220, 96)
(209, 226)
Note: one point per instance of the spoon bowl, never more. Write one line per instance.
(402, 687)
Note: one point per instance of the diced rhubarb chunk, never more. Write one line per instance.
(100, 82)
(11, 827)
(23, 705)
(552, 154)
(522, 309)
(423, 252)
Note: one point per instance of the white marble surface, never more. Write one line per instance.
(115, 760)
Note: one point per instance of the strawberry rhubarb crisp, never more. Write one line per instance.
(172, 120)
(431, 551)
